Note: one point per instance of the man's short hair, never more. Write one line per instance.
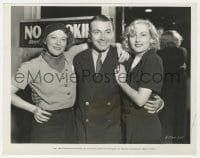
(102, 18)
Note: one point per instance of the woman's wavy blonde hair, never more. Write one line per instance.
(130, 30)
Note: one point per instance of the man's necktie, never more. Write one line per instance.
(99, 63)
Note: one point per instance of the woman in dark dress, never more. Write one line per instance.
(174, 91)
(140, 80)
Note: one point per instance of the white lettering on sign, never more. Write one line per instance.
(84, 30)
(37, 31)
(32, 32)
(79, 30)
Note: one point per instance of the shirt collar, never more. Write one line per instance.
(97, 53)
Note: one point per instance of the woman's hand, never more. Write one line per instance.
(120, 74)
(41, 115)
(122, 54)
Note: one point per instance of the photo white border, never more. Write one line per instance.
(117, 149)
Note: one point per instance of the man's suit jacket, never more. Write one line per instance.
(98, 100)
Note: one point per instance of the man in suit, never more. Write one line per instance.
(98, 107)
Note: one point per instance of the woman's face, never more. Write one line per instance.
(56, 42)
(140, 41)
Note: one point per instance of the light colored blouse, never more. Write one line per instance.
(57, 90)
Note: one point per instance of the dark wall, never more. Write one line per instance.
(63, 12)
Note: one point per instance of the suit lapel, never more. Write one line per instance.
(87, 65)
(109, 64)
(108, 61)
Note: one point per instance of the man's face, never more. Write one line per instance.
(101, 34)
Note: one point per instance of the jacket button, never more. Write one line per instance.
(87, 103)
(108, 103)
(86, 120)
(68, 93)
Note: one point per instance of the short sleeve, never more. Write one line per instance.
(152, 73)
(20, 78)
